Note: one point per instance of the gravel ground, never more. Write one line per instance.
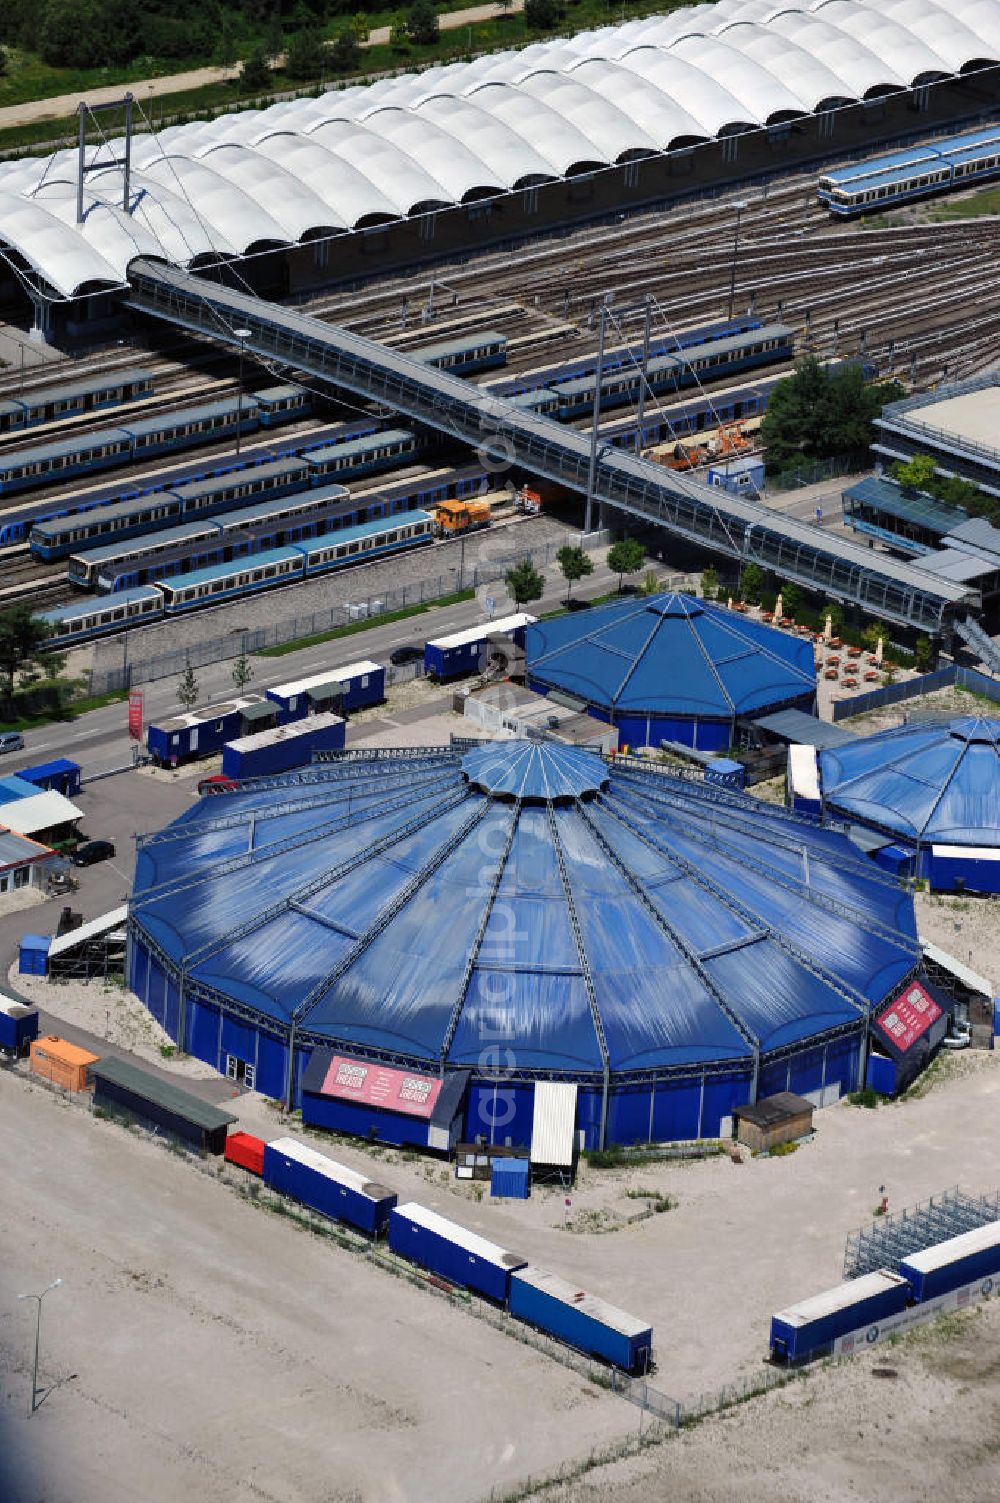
(951, 701)
(913, 1422)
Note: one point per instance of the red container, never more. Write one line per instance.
(244, 1149)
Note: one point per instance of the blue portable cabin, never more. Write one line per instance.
(462, 651)
(199, 733)
(971, 1258)
(449, 1250)
(284, 403)
(18, 1024)
(352, 687)
(810, 1328)
(963, 868)
(581, 1320)
(362, 456)
(61, 774)
(240, 576)
(90, 618)
(510, 1179)
(366, 540)
(33, 954)
(725, 772)
(342, 1194)
(282, 747)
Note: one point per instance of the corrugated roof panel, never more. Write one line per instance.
(553, 1124)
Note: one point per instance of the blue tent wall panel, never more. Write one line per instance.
(202, 1030)
(675, 1110)
(501, 1111)
(272, 1065)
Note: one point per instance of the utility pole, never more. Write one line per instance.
(241, 335)
(644, 376)
(739, 206)
(595, 422)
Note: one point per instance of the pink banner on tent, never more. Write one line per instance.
(378, 1085)
(909, 1016)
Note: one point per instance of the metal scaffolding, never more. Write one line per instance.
(889, 1239)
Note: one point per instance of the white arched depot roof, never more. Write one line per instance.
(454, 133)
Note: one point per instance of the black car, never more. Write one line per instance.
(410, 653)
(92, 851)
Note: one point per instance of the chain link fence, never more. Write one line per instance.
(115, 669)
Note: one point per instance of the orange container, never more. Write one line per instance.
(63, 1063)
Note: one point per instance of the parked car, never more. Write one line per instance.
(11, 741)
(92, 851)
(410, 653)
(218, 783)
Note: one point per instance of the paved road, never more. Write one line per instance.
(61, 105)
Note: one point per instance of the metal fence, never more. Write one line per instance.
(889, 1239)
(913, 688)
(822, 469)
(110, 677)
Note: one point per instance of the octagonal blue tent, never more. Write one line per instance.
(671, 668)
(520, 911)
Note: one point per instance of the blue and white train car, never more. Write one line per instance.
(366, 540)
(581, 1320)
(463, 651)
(50, 404)
(353, 686)
(240, 576)
(971, 1258)
(343, 1194)
(285, 403)
(92, 618)
(810, 1328)
(362, 456)
(451, 1251)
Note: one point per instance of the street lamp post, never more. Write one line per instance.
(242, 335)
(35, 1400)
(739, 206)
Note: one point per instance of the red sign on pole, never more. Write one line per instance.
(135, 714)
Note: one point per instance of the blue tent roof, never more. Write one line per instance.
(938, 783)
(390, 903)
(670, 655)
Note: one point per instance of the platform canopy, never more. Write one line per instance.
(360, 156)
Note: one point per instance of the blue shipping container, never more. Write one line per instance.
(581, 1320)
(510, 1177)
(282, 747)
(881, 1074)
(810, 1328)
(328, 1187)
(61, 775)
(970, 1258)
(33, 956)
(18, 1025)
(443, 1247)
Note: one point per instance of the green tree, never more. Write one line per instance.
(710, 583)
(422, 26)
(305, 56)
(872, 634)
(542, 15)
(752, 583)
(255, 74)
(817, 413)
(361, 27)
(22, 644)
(3, 61)
(923, 651)
(187, 687)
(791, 598)
(524, 583)
(835, 611)
(343, 54)
(242, 672)
(399, 36)
(70, 34)
(575, 564)
(626, 557)
(917, 473)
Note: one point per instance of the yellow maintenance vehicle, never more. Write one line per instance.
(453, 518)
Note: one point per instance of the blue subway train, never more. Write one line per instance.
(915, 172)
(178, 593)
(63, 526)
(51, 404)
